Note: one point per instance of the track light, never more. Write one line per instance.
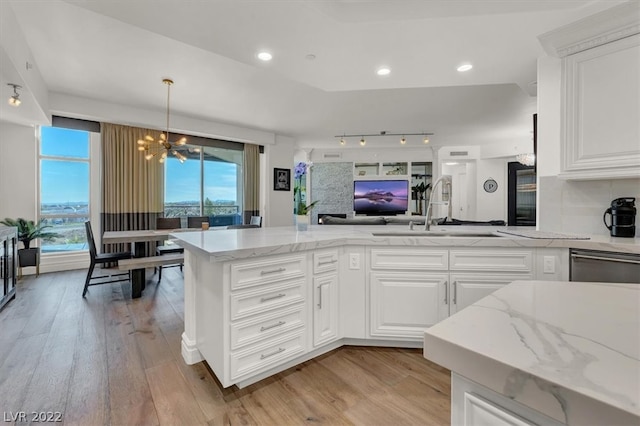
(14, 100)
(403, 140)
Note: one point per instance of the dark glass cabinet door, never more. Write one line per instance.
(522, 195)
(8, 266)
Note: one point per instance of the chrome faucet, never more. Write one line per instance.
(444, 180)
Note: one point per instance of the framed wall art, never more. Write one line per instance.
(281, 179)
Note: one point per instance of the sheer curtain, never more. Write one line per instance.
(132, 187)
(251, 177)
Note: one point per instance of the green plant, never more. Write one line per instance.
(28, 230)
(301, 208)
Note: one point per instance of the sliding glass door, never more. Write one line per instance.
(208, 183)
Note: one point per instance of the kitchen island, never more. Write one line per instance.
(546, 352)
(258, 301)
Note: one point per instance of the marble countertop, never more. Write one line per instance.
(229, 244)
(564, 338)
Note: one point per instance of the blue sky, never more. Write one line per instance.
(182, 181)
(67, 182)
(64, 181)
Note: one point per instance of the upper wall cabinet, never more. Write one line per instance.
(600, 123)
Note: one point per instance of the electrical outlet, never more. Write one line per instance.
(354, 261)
(549, 265)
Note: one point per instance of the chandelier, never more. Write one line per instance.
(528, 159)
(162, 147)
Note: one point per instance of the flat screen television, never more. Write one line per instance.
(380, 197)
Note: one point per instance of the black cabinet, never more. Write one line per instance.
(8, 264)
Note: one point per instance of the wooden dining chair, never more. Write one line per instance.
(101, 259)
(196, 221)
(168, 223)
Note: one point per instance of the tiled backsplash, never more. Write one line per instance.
(578, 206)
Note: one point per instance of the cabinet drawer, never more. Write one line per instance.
(258, 272)
(325, 261)
(270, 354)
(261, 300)
(484, 260)
(413, 259)
(266, 326)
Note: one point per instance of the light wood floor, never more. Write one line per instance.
(108, 359)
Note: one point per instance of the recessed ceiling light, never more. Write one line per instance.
(264, 56)
(452, 163)
(464, 67)
(383, 71)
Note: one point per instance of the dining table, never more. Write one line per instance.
(138, 240)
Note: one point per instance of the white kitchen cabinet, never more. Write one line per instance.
(412, 289)
(325, 309)
(466, 289)
(403, 304)
(256, 315)
(407, 287)
(326, 301)
(600, 108)
(473, 405)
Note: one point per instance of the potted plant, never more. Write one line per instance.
(301, 209)
(28, 231)
(418, 192)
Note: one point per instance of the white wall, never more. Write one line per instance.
(279, 204)
(18, 171)
(492, 205)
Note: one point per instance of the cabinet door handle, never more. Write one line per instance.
(446, 292)
(269, 327)
(273, 271)
(276, 352)
(455, 292)
(327, 262)
(320, 296)
(277, 296)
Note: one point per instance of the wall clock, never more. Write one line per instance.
(490, 185)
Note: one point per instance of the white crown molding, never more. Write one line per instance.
(605, 27)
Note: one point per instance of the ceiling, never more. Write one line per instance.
(119, 52)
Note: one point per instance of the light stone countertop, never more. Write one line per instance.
(230, 244)
(576, 343)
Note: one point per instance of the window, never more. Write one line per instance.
(64, 187)
(209, 183)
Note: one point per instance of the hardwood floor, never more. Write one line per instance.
(108, 359)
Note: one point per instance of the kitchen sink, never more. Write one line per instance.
(438, 233)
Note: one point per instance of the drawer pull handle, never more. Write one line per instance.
(273, 271)
(455, 292)
(276, 352)
(277, 296)
(269, 327)
(446, 293)
(327, 262)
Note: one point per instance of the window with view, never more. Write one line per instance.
(209, 183)
(64, 187)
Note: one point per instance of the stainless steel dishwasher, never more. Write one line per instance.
(604, 266)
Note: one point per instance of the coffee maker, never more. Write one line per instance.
(623, 217)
